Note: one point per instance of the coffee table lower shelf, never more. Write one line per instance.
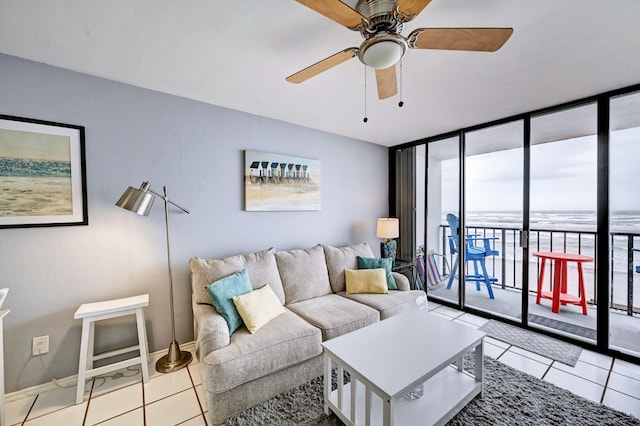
(445, 394)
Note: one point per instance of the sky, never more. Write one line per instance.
(563, 176)
(34, 146)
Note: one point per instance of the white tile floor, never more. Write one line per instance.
(177, 398)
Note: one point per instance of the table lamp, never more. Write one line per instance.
(387, 229)
(139, 201)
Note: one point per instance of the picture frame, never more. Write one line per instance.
(279, 182)
(43, 178)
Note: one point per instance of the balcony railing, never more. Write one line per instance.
(507, 266)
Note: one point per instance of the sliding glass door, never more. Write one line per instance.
(442, 185)
(473, 250)
(563, 219)
(493, 219)
(624, 223)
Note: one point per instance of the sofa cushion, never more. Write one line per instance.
(340, 258)
(401, 281)
(258, 307)
(335, 315)
(222, 292)
(366, 281)
(373, 263)
(391, 304)
(261, 266)
(303, 273)
(285, 341)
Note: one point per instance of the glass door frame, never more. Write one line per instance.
(602, 250)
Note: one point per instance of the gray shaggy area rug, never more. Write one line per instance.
(510, 398)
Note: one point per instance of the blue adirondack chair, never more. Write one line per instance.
(476, 250)
(637, 267)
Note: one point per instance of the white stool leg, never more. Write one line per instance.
(82, 364)
(90, 346)
(144, 346)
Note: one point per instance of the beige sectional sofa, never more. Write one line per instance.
(242, 369)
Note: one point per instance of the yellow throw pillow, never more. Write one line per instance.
(366, 280)
(258, 307)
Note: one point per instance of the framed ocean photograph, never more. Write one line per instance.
(42, 173)
(277, 182)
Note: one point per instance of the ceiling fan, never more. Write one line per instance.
(380, 22)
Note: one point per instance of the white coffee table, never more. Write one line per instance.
(391, 357)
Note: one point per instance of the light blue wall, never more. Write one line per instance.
(133, 134)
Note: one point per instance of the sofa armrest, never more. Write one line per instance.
(401, 281)
(211, 330)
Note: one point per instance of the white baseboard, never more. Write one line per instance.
(73, 380)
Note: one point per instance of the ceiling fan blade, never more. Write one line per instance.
(323, 65)
(409, 9)
(387, 82)
(338, 12)
(475, 39)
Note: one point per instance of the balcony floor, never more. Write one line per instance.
(625, 330)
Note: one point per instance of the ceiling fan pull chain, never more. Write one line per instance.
(365, 119)
(401, 103)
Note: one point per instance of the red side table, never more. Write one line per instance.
(559, 293)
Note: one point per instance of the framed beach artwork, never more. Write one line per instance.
(277, 182)
(42, 174)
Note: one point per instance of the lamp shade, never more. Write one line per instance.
(137, 200)
(388, 227)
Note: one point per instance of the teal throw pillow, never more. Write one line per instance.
(222, 293)
(374, 263)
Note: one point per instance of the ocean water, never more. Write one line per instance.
(19, 167)
(35, 188)
(584, 221)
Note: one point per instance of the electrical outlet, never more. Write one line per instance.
(40, 345)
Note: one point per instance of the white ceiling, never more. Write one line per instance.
(237, 53)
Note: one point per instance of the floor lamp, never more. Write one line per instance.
(139, 201)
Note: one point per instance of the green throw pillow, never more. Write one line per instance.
(374, 263)
(222, 293)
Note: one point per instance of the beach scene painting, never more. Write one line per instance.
(41, 173)
(277, 182)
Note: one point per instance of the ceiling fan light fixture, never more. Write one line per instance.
(382, 50)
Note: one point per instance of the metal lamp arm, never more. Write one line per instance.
(166, 199)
